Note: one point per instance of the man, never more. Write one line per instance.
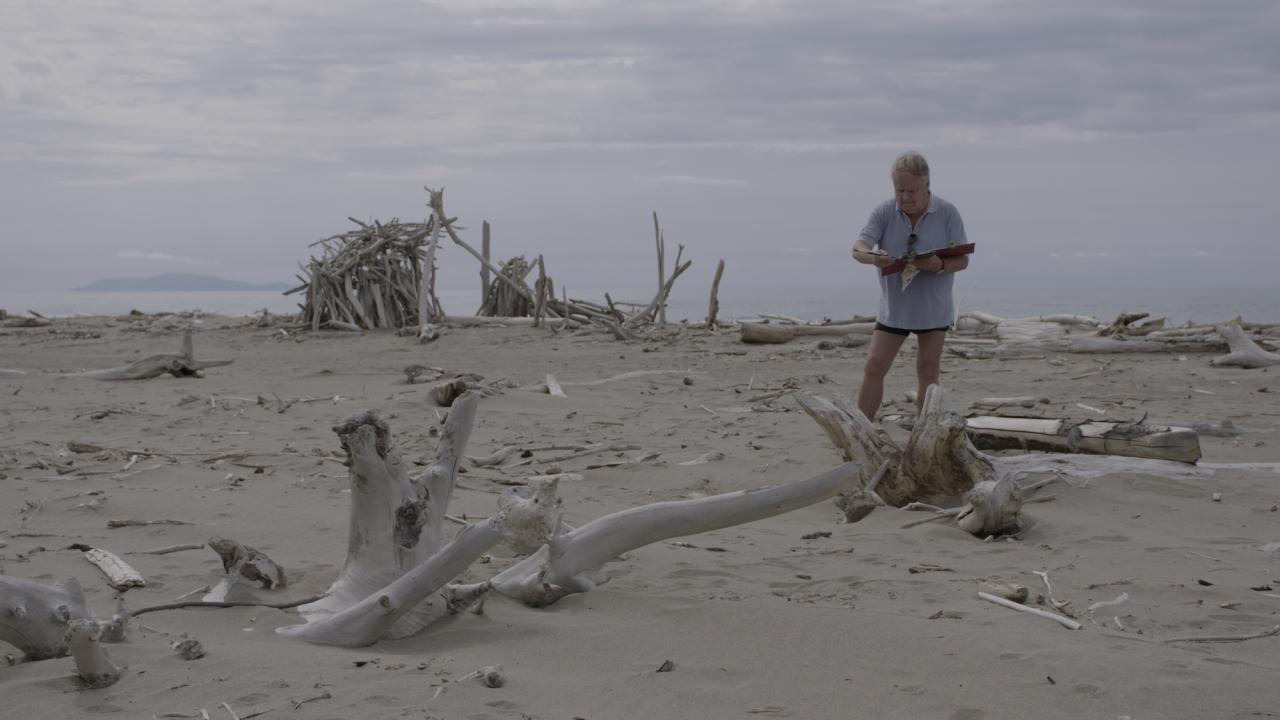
(919, 221)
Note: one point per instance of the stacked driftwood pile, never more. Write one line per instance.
(370, 277)
(382, 275)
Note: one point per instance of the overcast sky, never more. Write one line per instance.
(1090, 142)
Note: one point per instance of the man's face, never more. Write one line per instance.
(911, 192)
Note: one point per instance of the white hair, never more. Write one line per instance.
(912, 163)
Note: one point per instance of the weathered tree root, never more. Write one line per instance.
(1245, 352)
(35, 617)
(940, 466)
(397, 525)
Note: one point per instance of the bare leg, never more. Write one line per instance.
(884, 348)
(928, 362)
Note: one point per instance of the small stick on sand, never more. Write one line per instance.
(133, 523)
(1226, 638)
(199, 603)
(170, 549)
(1065, 622)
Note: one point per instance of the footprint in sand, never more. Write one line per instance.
(1092, 691)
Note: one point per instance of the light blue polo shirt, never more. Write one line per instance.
(926, 303)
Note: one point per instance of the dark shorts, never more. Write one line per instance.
(904, 333)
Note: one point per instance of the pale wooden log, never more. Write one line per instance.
(34, 617)
(24, 322)
(553, 387)
(569, 563)
(378, 616)
(540, 302)
(340, 325)
(773, 334)
(983, 317)
(92, 664)
(8, 373)
(428, 309)
(183, 364)
(1062, 620)
(484, 268)
(713, 308)
(1160, 442)
(120, 575)
(1025, 401)
(1245, 352)
(542, 387)
(496, 458)
(662, 281)
(1090, 344)
(1078, 320)
(489, 321)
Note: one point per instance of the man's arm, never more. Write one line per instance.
(865, 254)
(864, 250)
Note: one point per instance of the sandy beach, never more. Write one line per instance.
(796, 616)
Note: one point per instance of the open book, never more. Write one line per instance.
(946, 252)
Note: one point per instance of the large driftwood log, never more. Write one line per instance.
(774, 334)
(391, 586)
(1100, 438)
(940, 466)
(1244, 351)
(569, 563)
(183, 364)
(35, 617)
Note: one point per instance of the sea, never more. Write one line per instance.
(1176, 305)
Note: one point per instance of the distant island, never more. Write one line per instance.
(177, 282)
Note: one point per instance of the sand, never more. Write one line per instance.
(872, 621)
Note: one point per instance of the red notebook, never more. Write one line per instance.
(947, 252)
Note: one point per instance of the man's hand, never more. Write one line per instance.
(929, 263)
(873, 257)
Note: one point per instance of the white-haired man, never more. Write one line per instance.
(914, 223)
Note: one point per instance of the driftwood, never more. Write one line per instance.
(713, 308)
(1244, 351)
(120, 575)
(372, 277)
(397, 524)
(569, 563)
(34, 617)
(773, 334)
(399, 569)
(241, 563)
(1100, 438)
(183, 364)
(92, 664)
(940, 466)
(1124, 325)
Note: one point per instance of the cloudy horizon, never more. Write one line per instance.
(1086, 144)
